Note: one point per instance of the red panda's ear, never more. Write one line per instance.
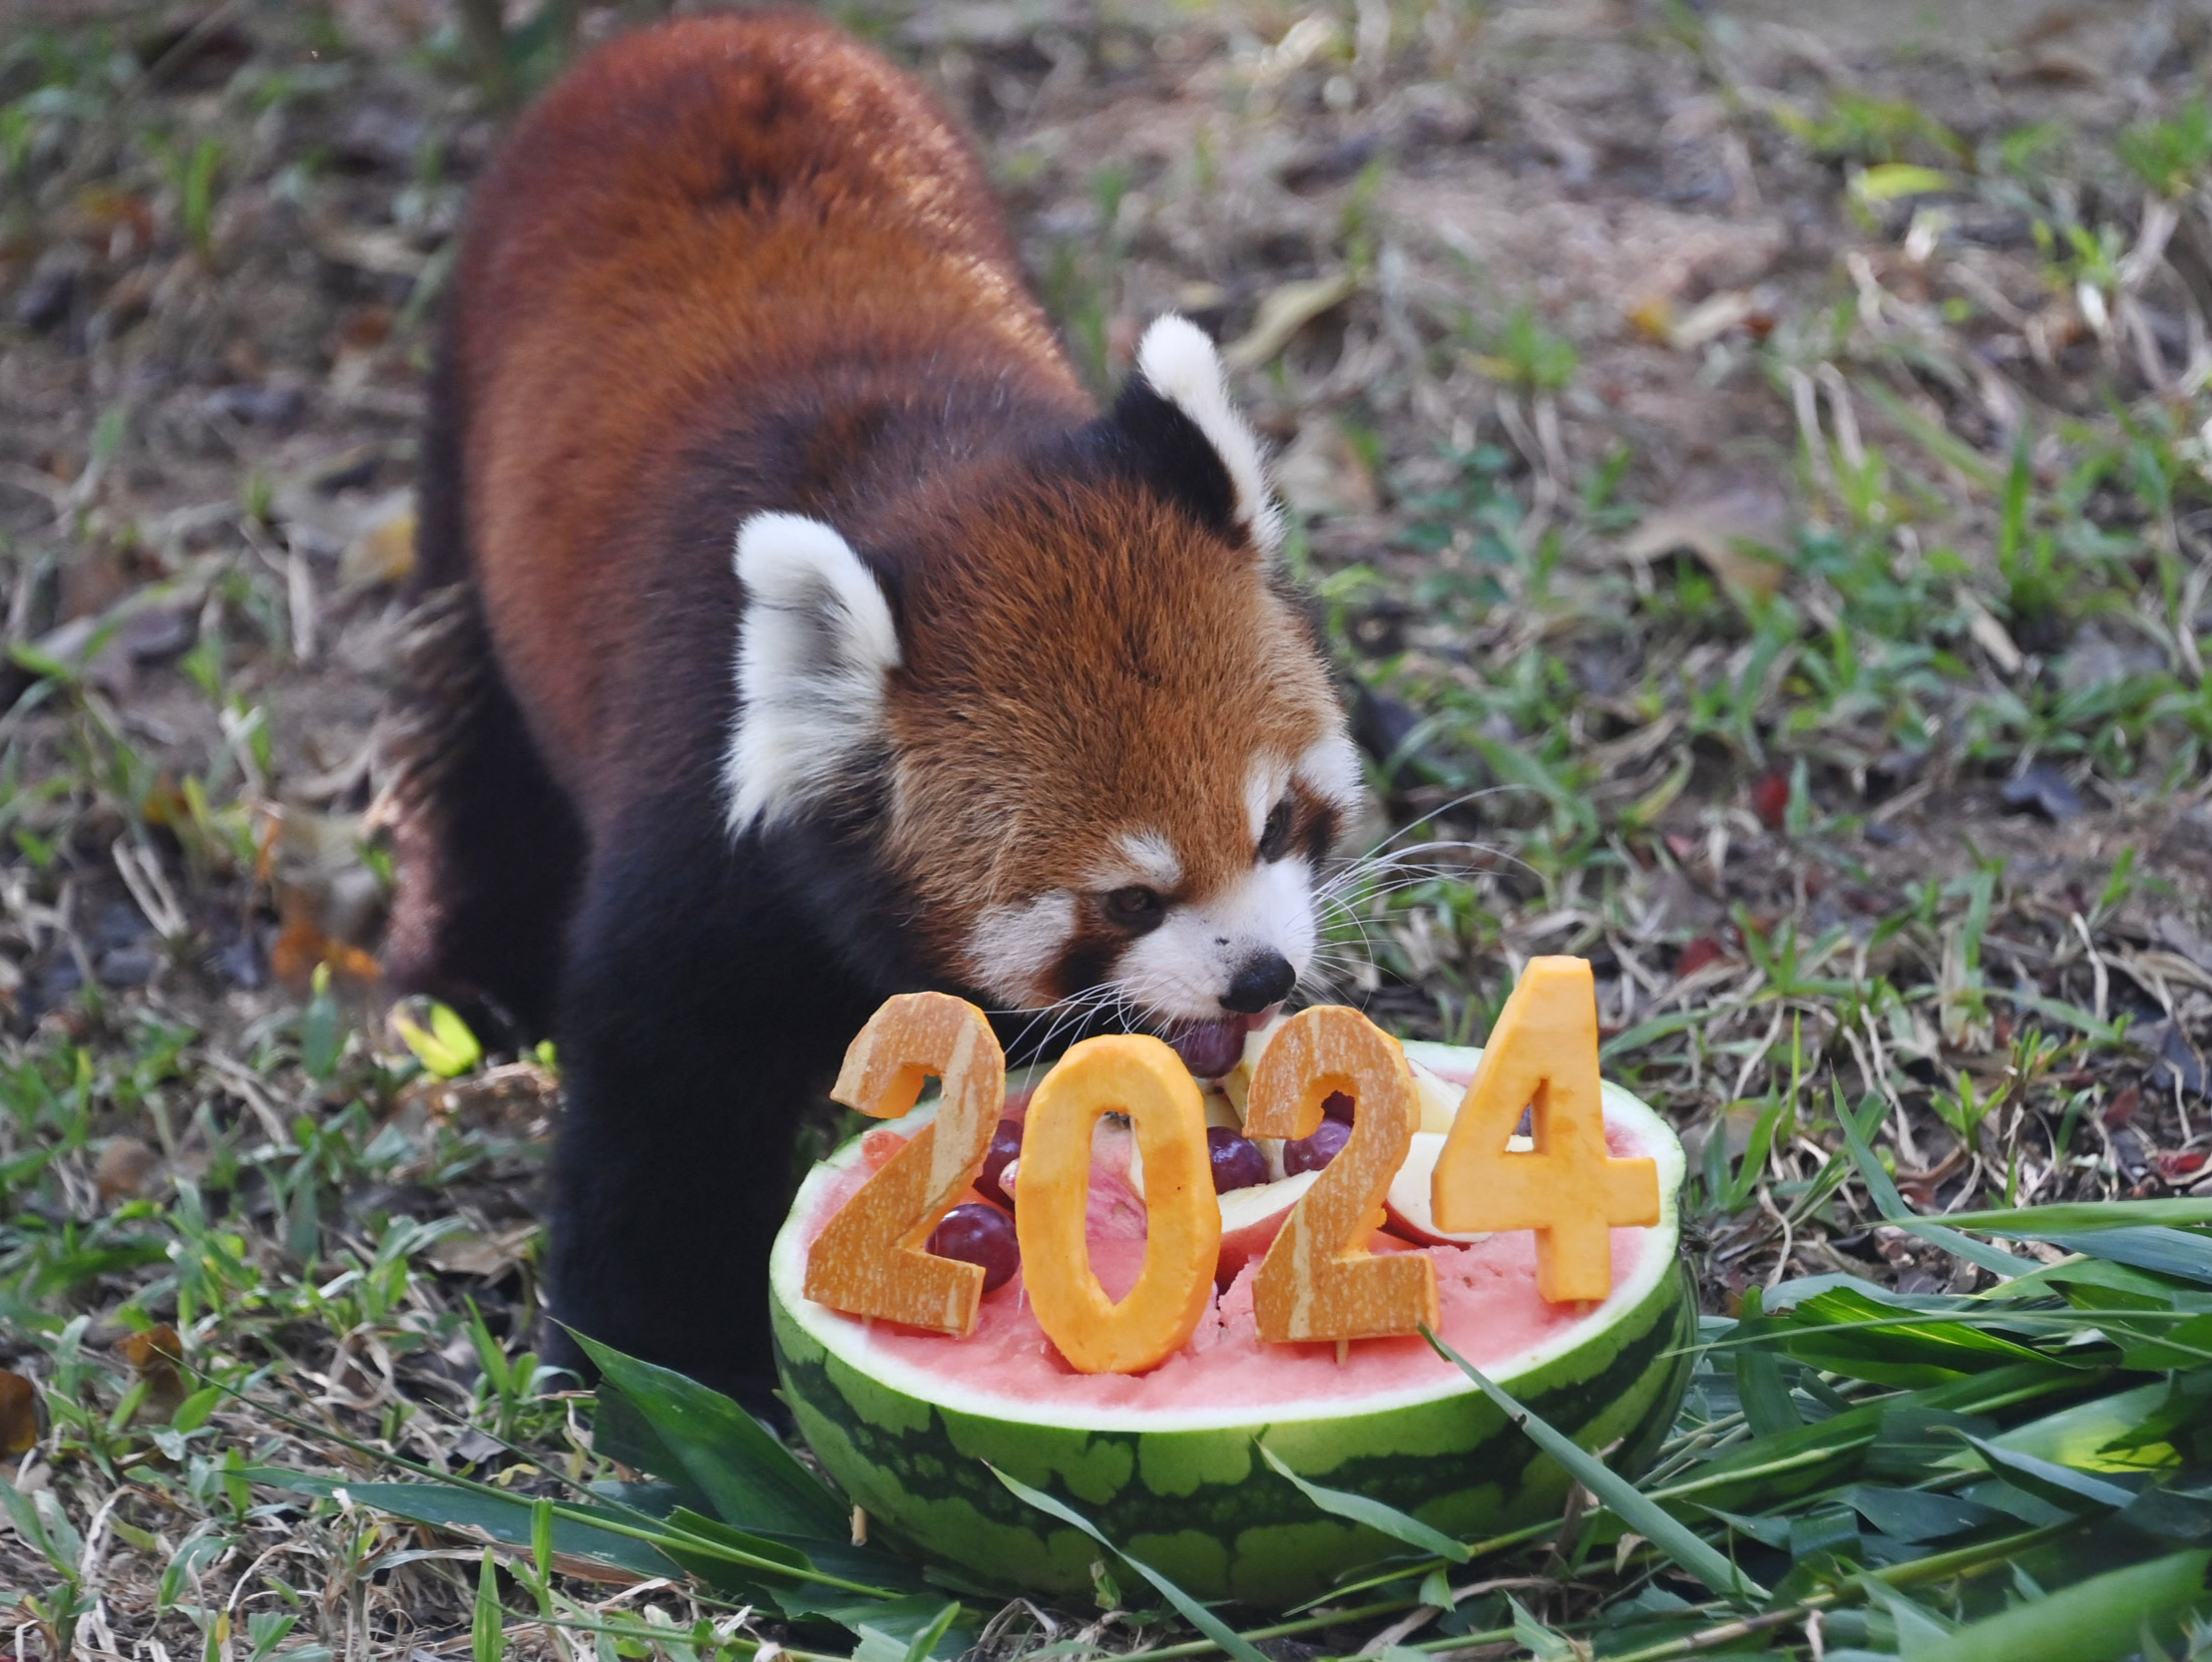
(815, 642)
(1175, 413)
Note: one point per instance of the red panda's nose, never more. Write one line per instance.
(1264, 978)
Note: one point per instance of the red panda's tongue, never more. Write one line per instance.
(1211, 1048)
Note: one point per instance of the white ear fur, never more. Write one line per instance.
(814, 648)
(1180, 362)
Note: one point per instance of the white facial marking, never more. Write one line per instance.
(1182, 969)
(1331, 769)
(1181, 363)
(814, 648)
(1263, 788)
(1139, 857)
(1012, 946)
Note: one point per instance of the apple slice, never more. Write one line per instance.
(1407, 1203)
(1439, 1099)
(1253, 1217)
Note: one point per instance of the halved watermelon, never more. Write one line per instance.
(1166, 1462)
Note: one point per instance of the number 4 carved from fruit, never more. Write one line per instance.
(1542, 1055)
(869, 1259)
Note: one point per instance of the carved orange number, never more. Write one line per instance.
(1542, 1055)
(869, 1259)
(1318, 1280)
(1143, 1079)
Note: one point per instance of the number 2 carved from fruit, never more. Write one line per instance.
(1143, 1079)
(1318, 1280)
(869, 1259)
(1542, 1055)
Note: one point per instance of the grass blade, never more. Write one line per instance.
(753, 1481)
(2097, 1620)
(1205, 1620)
(1375, 1514)
(488, 1627)
(1689, 1551)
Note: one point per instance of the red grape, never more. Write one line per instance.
(1006, 1144)
(1314, 1152)
(979, 1234)
(1337, 1106)
(1237, 1161)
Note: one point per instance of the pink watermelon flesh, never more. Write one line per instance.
(1487, 1292)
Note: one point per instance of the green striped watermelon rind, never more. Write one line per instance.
(1195, 1501)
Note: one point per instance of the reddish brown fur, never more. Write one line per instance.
(625, 278)
(1169, 668)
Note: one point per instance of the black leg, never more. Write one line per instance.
(488, 847)
(699, 1024)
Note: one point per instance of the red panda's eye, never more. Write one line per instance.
(1274, 836)
(1134, 907)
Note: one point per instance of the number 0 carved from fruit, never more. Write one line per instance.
(869, 1259)
(1141, 1078)
(1542, 1055)
(1318, 1280)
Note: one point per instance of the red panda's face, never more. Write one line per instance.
(1109, 756)
(1116, 765)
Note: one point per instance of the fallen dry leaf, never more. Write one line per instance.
(301, 945)
(1283, 313)
(468, 1252)
(125, 1165)
(154, 1356)
(1712, 318)
(1731, 530)
(382, 549)
(1770, 798)
(17, 1416)
(1989, 634)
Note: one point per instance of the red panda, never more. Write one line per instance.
(806, 635)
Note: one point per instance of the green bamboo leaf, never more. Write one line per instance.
(2036, 1223)
(752, 1481)
(1767, 1404)
(1205, 1620)
(1375, 1514)
(508, 1521)
(2080, 1435)
(2175, 1252)
(2097, 1620)
(889, 1630)
(924, 1642)
(1852, 1332)
(1689, 1551)
(2061, 1486)
(1916, 1515)
(685, 1523)
(1919, 1629)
